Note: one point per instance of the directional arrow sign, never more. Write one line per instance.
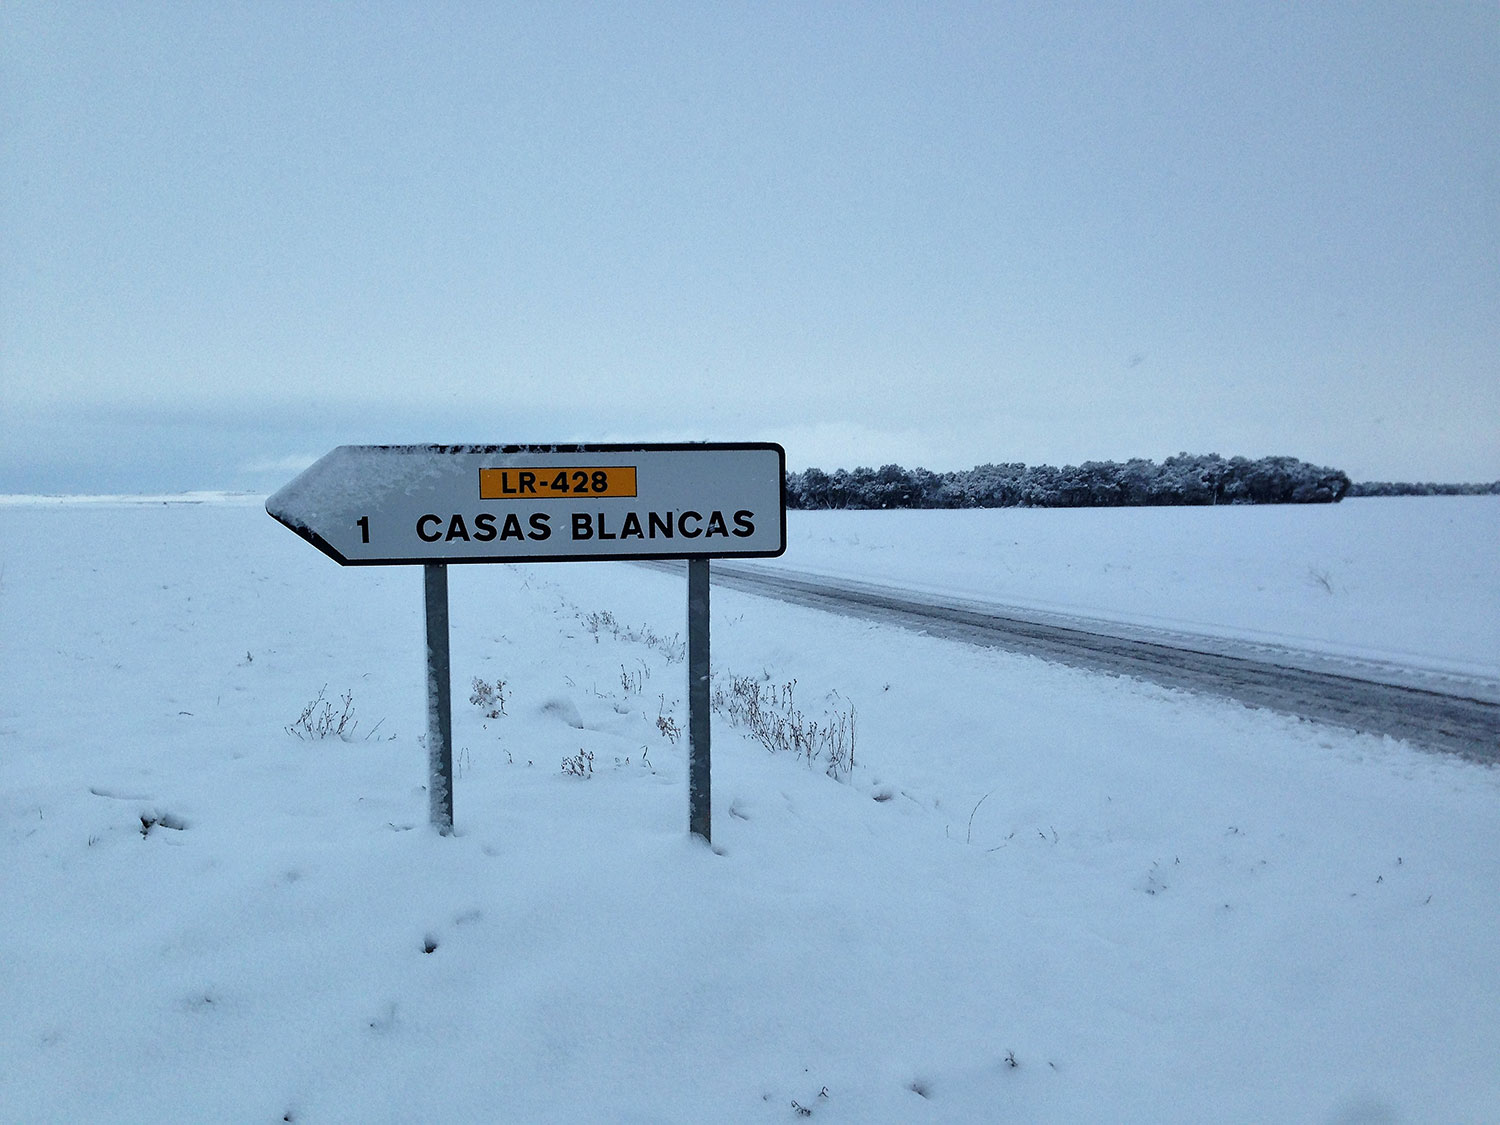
(367, 505)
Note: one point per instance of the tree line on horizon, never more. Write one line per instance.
(1422, 488)
(1183, 479)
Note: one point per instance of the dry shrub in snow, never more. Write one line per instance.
(319, 720)
(770, 713)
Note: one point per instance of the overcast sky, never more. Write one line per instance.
(236, 235)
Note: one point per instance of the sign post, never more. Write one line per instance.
(434, 505)
(700, 805)
(439, 699)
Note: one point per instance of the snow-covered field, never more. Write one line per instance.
(1043, 895)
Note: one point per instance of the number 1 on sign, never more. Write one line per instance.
(364, 528)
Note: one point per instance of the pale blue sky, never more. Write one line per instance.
(235, 235)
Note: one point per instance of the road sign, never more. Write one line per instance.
(367, 505)
(373, 505)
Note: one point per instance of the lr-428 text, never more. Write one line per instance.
(515, 484)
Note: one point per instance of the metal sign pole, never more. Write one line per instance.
(699, 787)
(439, 700)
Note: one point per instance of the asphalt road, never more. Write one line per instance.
(1447, 712)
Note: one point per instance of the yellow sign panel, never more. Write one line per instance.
(556, 483)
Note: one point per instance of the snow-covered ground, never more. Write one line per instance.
(1043, 895)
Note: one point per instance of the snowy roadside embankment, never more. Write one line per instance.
(1413, 580)
(1042, 895)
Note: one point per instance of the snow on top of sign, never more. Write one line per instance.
(355, 476)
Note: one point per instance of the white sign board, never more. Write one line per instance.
(366, 505)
